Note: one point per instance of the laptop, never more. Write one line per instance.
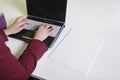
(39, 12)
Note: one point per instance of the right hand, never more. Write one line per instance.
(43, 32)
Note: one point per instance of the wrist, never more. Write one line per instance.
(38, 38)
(6, 32)
(9, 31)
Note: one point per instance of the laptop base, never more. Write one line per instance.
(27, 36)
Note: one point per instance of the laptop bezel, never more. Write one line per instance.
(44, 19)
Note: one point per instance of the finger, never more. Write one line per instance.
(18, 17)
(21, 19)
(42, 26)
(48, 26)
(22, 24)
(21, 28)
(51, 31)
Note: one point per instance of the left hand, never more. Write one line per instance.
(18, 25)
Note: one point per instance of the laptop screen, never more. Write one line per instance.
(49, 9)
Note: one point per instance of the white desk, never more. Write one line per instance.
(87, 18)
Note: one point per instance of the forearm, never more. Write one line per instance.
(32, 54)
(10, 68)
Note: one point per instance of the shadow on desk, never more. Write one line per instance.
(35, 78)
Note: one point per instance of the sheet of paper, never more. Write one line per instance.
(78, 51)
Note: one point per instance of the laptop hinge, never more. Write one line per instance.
(45, 20)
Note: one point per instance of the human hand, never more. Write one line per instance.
(17, 26)
(43, 32)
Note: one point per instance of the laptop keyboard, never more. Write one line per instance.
(35, 24)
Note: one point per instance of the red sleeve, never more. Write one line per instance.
(32, 54)
(3, 37)
(13, 69)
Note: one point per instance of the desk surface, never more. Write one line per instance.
(88, 18)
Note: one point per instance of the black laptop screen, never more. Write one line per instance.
(50, 9)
